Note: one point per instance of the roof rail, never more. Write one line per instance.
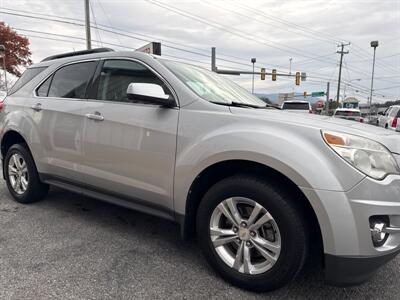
(76, 53)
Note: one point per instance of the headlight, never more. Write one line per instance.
(368, 156)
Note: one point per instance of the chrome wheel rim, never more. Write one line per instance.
(18, 173)
(245, 235)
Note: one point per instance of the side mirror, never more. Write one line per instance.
(149, 92)
(380, 113)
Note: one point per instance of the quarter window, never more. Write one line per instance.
(27, 76)
(43, 90)
(71, 81)
(116, 75)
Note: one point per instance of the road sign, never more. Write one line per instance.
(317, 94)
(151, 48)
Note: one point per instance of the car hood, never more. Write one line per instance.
(389, 138)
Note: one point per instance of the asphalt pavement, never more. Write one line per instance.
(73, 247)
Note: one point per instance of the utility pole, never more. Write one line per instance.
(327, 98)
(213, 60)
(290, 66)
(374, 44)
(342, 52)
(87, 25)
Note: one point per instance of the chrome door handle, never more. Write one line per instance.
(37, 107)
(95, 116)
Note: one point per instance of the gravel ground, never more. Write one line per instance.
(72, 247)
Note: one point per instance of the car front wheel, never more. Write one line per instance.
(251, 233)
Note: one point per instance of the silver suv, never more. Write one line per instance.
(262, 189)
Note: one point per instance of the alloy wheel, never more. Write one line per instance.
(245, 235)
(18, 173)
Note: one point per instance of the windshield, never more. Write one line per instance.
(296, 105)
(348, 113)
(211, 86)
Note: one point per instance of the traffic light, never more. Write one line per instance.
(273, 74)
(262, 73)
(297, 78)
(305, 94)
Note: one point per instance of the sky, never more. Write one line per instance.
(308, 32)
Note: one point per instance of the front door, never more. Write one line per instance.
(129, 147)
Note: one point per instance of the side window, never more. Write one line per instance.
(71, 81)
(393, 112)
(387, 112)
(27, 76)
(116, 75)
(43, 90)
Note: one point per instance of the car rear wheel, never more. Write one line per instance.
(251, 233)
(22, 177)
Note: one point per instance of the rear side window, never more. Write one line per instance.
(27, 76)
(71, 81)
(294, 105)
(393, 112)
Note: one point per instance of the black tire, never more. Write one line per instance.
(36, 190)
(294, 241)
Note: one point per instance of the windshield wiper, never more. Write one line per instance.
(238, 104)
(270, 106)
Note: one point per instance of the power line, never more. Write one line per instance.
(95, 22)
(73, 21)
(239, 33)
(286, 22)
(263, 22)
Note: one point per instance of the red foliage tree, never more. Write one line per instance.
(17, 49)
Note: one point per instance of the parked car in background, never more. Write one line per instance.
(370, 119)
(352, 114)
(297, 106)
(390, 118)
(262, 189)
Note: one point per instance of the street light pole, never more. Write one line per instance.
(290, 66)
(253, 61)
(374, 44)
(3, 52)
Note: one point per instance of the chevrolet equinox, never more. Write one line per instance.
(258, 187)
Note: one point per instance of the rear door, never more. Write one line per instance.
(130, 147)
(384, 119)
(57, 112)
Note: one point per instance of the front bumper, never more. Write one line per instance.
(344, 217)
(347, 271)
